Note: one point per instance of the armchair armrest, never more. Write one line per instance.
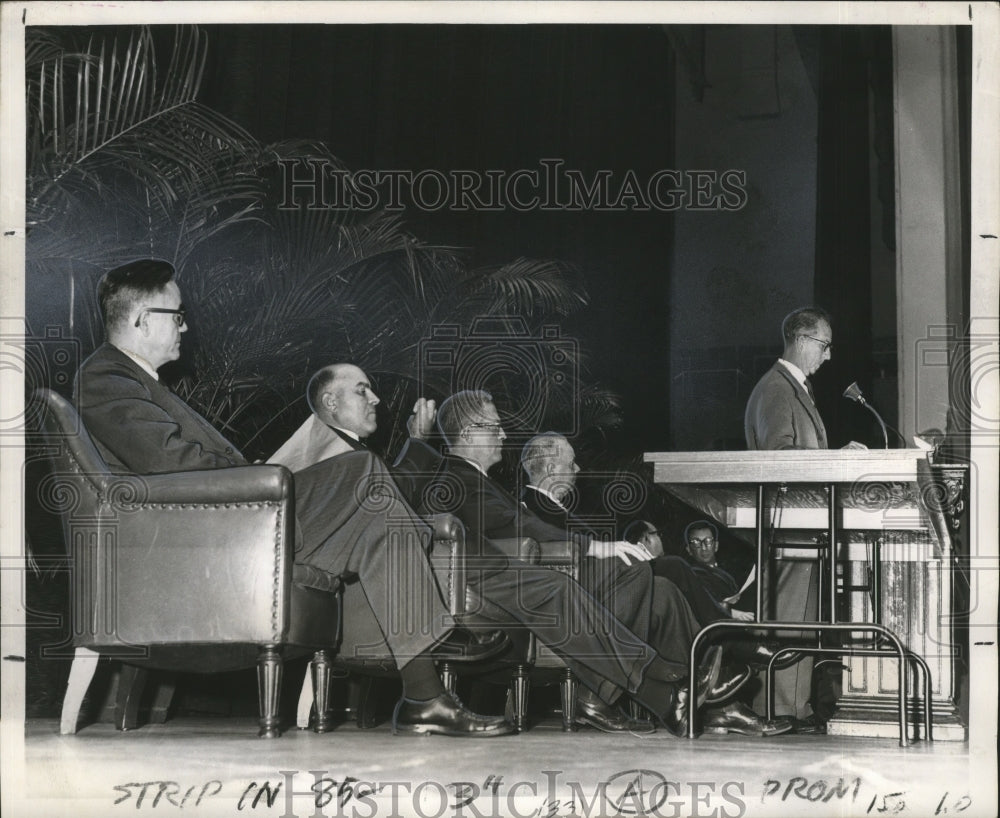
(241, 484)
(559, 553)
(522, 548)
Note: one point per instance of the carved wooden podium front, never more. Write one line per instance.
(891, 514)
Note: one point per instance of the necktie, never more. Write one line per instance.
(809, 389)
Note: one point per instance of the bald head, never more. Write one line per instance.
(341, 395)
(550, 462)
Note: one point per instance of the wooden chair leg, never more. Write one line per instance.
(448, 676)
(269, 690)
(131, 684)
(162, 697)
(519, 698)
(567, 691)
(362, 693)
(305, 705)
(81, 672)
(319, 670)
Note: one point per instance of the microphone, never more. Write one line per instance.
(853, 392)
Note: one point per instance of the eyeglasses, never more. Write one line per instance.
(177, 314)
(694, 542)
(496, 427)
(825, 344)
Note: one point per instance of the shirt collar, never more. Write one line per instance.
(547, 493)
(797, 373)
(142, 362)
(346, 433)
(474, 464)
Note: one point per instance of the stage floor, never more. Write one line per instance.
(210, 766)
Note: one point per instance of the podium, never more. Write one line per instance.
(885, 520)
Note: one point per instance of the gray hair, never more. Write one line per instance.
(456, 412)
(538, 451)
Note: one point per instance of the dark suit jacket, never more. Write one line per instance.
(781, 415)
(139, 425)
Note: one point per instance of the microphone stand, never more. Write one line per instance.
(853, 392)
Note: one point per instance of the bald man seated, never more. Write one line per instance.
(142, 427)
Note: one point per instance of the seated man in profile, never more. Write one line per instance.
(458, 482)
(542, 600)
(700, 567)
(141, 426)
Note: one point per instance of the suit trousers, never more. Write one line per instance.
(796, 600)
(603, 653)
(352, 522)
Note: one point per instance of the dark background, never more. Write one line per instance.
(608, 97)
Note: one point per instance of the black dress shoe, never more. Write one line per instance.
(762, 654)
(445, 715)
(736, 717)
(609, 719)
(676, 717)
(463, 645)
(708, 675)
(809, 726)
(729, 682)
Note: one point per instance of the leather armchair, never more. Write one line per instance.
(183, 571)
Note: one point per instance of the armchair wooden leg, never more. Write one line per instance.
(362, 694)
(519, 698)
(268, 690)
(448, 676)
(162, 697)
(131, 684)
(319, 669)
(567, 691)
(81, 673)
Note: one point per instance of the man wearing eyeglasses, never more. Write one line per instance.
(610, 643)
(141, 426)
(781, 414)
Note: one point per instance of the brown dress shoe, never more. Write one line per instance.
(445, 715)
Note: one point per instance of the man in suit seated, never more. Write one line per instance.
(141, 426)
(458, 482)
(550, 463)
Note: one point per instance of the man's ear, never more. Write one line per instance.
(329, 401)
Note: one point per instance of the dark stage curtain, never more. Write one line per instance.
(855, 157)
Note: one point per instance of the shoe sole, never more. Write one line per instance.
(583, 721)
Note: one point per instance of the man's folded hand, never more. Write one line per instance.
(625, 551)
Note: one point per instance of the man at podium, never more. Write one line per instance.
(781, 414)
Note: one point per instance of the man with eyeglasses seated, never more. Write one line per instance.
(601, 645)
(701, 566)
(781, 414)
(702, 544)
(141, 426)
